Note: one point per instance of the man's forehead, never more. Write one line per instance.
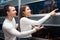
(11, 7)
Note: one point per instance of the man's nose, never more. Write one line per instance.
(15, 11)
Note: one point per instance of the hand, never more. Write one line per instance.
(42, 27)
(38, 28)
(53, 12)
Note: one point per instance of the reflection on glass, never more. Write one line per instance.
(43, 6)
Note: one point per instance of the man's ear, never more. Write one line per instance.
(7, 13)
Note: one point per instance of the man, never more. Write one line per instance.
(9, 25)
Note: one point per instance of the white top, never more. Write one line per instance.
(26, 24)
(10, 32)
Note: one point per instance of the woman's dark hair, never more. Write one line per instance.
(21, 14)
(22, 8)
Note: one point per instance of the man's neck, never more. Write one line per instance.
(9, 18)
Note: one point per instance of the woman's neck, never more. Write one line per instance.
(26, 16)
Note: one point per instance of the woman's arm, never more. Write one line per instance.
(33, 22)
(40, 21)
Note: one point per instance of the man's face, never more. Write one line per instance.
(12, 12)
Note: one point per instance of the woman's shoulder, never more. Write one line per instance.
(23, 18)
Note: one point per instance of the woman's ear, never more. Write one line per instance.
(23, 12)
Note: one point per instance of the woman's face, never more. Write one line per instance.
(27, 11)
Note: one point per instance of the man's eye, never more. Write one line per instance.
(27, 9)
(14, 10)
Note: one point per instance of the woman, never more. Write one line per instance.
(26, 23)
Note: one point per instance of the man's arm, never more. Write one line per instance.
(18, 34)
(17, 25)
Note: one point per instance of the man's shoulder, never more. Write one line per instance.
(6, 23)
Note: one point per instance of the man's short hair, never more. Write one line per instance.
(6, 8)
